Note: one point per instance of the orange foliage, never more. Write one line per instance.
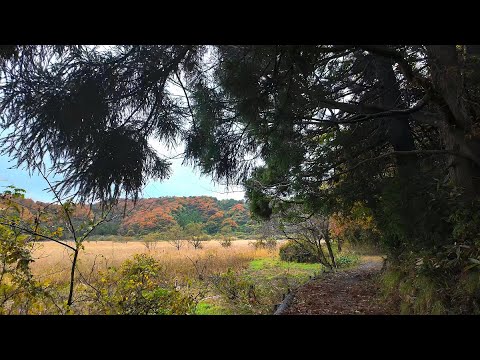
(152, 214)
(238, 207)
(229, 222)
(216, 216)
(359, 219)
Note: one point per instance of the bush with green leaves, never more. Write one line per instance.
(19, 292)
(139, 287)
(295, 252)
(235, 288)
(16, 280)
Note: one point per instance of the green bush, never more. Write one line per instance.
(346, 260)
(138, 288)
(234, 287)
(294, 252)
(445, 281)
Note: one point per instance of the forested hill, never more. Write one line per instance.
(159, 214)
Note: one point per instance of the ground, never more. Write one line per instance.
(352, 291)
(257, 277)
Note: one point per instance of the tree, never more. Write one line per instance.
(186, 216)
(339, 124)
(31, 229)
(92, 112)
(312, 234)
(195, 234)
(175, 236)
(333, 125)
(150, 241)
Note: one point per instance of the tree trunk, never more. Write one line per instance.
(330, 252)
(448, 82)
(322, 259)
(399, 135)
(397, 127)
(72, 276)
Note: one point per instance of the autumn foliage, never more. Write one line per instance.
(154, 215)
(357, 226)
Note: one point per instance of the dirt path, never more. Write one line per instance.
(351, 291)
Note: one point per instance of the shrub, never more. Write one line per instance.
(137, 288)
(446, 281)
(197, 241)
(355, 227)
(346, 260)
(19, 292)
(292, 251)
(235, 288)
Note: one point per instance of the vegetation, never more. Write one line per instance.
(292, 251)
(334, 144)
(156, 215)
(139, 288)
(16, 281)
(132, 280)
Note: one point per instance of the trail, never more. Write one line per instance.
(348, 292)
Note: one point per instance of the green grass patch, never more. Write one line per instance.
(205, 308)
(347, 260)
(267, 280)
(271, 263)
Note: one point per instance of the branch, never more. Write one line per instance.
(410, 152)
(186, 95)
(61, 204)
(28, 231)
(403, 64)
(360, 118)
(424, 118)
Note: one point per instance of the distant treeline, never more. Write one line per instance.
(157, 215)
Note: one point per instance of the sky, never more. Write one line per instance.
(184, 181)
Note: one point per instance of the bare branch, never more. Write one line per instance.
(28, 231)
(72, 228)
(186, 95)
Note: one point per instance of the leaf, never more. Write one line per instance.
(471, 266)
(475, 261)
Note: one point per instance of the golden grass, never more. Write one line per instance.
(53, 261)
(371, 258)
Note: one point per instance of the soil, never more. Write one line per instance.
(348, 292)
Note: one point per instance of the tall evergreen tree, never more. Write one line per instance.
(319, 125)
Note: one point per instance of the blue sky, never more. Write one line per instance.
(184, 181)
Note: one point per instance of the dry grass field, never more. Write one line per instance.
(53, 261)
(240, 279)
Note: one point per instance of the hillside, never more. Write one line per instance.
(157, 215)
